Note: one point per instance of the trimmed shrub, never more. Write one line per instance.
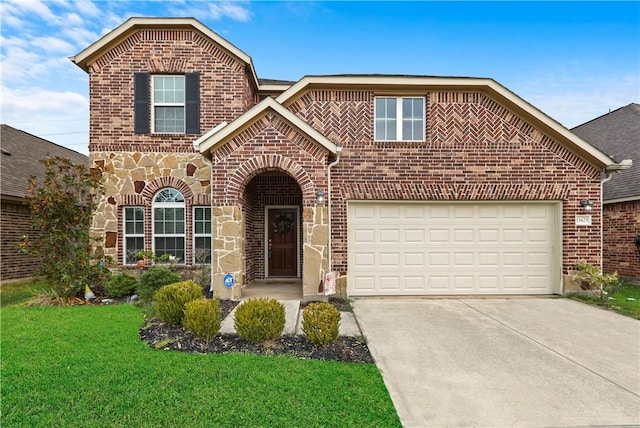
(170, 300)
(202, 317)
(153, 279)
(258, 320)
(321, 323)
(120, 285)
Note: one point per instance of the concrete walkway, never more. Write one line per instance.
(505, 362)
(293, 320)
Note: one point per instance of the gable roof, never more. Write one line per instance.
(20, 159)
(131, 25)
(618, 134)
(224, 132)
(397, 84)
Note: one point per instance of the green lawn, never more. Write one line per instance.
(625, 302)
(17, 292)
(85, 366)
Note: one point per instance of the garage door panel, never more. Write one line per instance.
(458, 248)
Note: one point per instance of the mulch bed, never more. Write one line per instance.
(160, 335)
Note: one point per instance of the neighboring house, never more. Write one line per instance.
(618, 134)
(402, 185)
(20, 159)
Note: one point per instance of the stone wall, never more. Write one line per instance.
(133, 178)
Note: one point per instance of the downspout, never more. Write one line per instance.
(608, 171)
(331, 165)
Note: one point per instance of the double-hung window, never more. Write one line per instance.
(399, 118)
(169, 224)
(133, 233)
(168, 104)
(201, 235)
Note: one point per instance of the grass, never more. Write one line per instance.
(619, 302)
(18, 292)
(85, 366)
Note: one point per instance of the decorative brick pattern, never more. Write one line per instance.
(475, 150)
(14, 222)
(621, 226)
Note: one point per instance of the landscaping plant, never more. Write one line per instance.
(153, 279)
(121, 285)
(321, 323)
(202, 317)
(605, 285)
(259, 319)
(62, 206)
(171, 300)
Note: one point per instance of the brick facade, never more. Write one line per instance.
(475, 150)
(14, 221)
(621, 227)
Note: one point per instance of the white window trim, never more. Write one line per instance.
(199, 235)
(154, 105)
(399, 117)
(155, 235)
(132, 235)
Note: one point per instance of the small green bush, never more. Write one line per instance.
(153, 279)
(202, 317)
(259, 319)
(120, 285)
(171, 299)
(321, 323)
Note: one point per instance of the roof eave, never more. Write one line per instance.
(84, 58)
(223, 132)
(398, 84)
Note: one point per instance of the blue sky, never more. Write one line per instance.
(573, 60)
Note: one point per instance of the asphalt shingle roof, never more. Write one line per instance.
(617, 134)
(20, 158)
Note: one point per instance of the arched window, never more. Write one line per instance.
(169, 224)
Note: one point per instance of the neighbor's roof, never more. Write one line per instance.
(618, 134)
(20, 159)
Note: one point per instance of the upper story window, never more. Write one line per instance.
(168, 104)
(399, 118)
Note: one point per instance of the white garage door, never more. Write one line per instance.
(452, 248)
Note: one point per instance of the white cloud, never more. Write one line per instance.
(211, 10)
(229, 10)
(29, 7)
(52, 44)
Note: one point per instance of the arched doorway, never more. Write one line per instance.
(272, 204)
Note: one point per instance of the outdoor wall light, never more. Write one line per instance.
(586, 204)
(320, 197)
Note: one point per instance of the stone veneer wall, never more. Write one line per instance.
(621, 226)
(229, 250)
(132, 179)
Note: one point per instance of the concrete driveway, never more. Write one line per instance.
(505, 362)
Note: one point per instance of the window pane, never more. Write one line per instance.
(407, 130)
(418, 130)
(168, 195)
(391, 131)
(132, 246)
(169, 119)
(202, 251)
(381, 110)
(170, 246)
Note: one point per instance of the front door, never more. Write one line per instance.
(282, 242)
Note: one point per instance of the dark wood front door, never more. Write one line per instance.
(282, 241)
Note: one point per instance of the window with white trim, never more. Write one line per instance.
(201, 235)
(168, 104)
(399, 118)
(168, 211)
(133, 225)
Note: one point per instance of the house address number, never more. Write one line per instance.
(583, 220)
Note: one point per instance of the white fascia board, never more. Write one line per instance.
(490, 86)
(619, 200)
(205, 137)
(211, 139)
